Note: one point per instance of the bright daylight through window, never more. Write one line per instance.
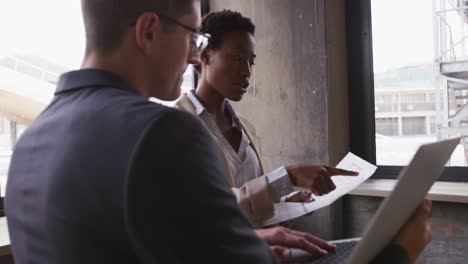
(36, 47)
(420, 52)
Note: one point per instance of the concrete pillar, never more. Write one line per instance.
(298, 99)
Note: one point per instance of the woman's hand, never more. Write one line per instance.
(316, 178)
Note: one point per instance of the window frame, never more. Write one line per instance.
(205, 9)
(361, 92)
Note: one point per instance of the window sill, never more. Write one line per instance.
(456, 192)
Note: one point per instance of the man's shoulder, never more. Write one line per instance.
(159, 118)
(115, 104)
(180, 121)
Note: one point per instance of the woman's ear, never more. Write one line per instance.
(205, 56)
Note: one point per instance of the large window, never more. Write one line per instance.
(409, 54)
(46, 40)
(408, 80)
(39, 41)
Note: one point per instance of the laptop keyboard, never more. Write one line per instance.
(342, 253)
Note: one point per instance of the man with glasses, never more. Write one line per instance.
(199, 40)
(91, 180)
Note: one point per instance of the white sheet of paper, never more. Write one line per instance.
(344, 184)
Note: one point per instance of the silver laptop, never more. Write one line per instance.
(414, 182)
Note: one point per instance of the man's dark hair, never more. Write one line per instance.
(218, 24)
(106, 21)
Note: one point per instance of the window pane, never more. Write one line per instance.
(420, 50)
(35, 48)
(33, 53)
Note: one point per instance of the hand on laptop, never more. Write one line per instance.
(316, 178)
(416, 233)
(281, 239)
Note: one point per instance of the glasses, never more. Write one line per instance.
(199, 41)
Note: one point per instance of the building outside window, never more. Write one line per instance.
(420, 49)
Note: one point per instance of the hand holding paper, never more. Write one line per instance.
(343, 184)
(316, 178)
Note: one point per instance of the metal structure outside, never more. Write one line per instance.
(451, 56)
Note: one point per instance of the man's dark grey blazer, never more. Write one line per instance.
(105, 176)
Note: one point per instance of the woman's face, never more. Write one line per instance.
(229, 67)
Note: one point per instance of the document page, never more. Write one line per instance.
(344, 184)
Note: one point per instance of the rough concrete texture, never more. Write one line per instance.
(449, 223)
(287, 100)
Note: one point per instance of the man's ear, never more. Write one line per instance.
(147, 31)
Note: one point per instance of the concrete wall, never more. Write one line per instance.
(288, 95)
(449, 222)
(289, 102)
